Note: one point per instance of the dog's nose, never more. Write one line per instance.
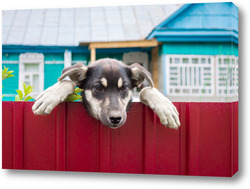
(115, 120)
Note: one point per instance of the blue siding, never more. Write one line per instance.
(54, 56)
(10, 84)
(207, 16)
(51, 73)
(10, 56)
(79, 57)
(200, 48)
(202, 22)
(43, 49)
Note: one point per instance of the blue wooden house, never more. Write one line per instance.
(191, 50)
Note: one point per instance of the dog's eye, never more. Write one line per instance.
(98, 88)
(124, 87)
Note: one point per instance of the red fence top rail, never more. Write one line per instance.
(69, 139)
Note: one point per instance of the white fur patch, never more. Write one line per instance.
(94, 103)
(104, 82)
(119, 82)
(51, 97)
(161, 105)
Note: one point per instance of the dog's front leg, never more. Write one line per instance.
(52, 96)
(161, 105)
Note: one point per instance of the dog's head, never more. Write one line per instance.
(107, 85)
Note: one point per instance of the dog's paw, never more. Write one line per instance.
(162, 106)
(50, 98)
(45, 103)
(167, 114)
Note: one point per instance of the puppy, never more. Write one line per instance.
(107, 93)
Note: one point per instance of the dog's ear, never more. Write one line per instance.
(77, 73)
(139, 73)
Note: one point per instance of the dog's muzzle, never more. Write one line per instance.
(113, 119)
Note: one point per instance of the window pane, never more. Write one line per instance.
(27, 79)
(195, 60)
(36, 83)
(185, 60)
(31, 67)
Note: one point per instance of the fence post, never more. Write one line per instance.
(18, 135)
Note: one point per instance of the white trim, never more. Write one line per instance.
(10, 62)
(31, 58)
(9, 95)
(67, 58)
(62, 62)
(54, 62)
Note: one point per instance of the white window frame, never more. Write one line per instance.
(226, 73)
(194, 86)
(31, 58)
(67, 58)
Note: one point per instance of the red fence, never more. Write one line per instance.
(69, 140)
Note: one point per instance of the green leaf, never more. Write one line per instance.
(5, 70)
(28, 98)
(28, 90)
(9, 76)
(78, 90)
(24, 86)
(73, 98)
(6, 74)
(20, 94)
(17, 98)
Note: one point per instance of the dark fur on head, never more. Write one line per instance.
(107, 85)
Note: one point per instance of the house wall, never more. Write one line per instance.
(191, 48)
(207, 16)
(53, 66)
(200, 48)
(10, 60)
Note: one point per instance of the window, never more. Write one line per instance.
(31, 72)
(201, 75)
(190, 75)
(227, 75)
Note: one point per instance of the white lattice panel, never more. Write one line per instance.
(226, 75)
(190, 75)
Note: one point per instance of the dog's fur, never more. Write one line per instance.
(107, 93)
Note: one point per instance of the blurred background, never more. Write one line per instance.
(191, 50)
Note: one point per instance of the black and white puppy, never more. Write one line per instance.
(107, 93)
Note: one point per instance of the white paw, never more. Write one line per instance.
(51, 97)
(168, 114)
(162, 106)
(46, 102)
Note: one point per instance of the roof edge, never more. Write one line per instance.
(172, 16)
